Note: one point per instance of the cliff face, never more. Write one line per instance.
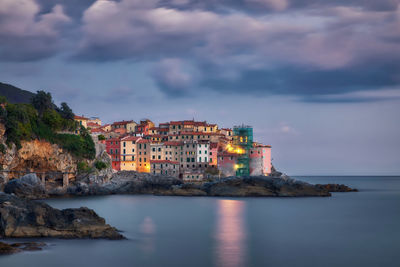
(36, 156)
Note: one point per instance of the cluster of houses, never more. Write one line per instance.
(188, 149)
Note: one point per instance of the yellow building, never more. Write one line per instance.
(143, 155)
(129, 126)
(81, 120)
(129, 153)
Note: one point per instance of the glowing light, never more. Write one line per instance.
(231, 234)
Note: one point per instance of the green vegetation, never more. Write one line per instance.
(100, 165)
(2, 149)
(101, 137)
(82, 167)
(43, 120)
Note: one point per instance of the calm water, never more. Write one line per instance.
(348, 229)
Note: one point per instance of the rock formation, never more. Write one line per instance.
(139, 183)
(26, 218)
(28, 186)
(6, 248)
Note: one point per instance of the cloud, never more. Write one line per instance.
(303, 47)
(24, 34)
(172, 77)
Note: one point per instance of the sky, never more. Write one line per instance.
(318, 80)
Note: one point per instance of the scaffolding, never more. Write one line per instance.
(243, 139)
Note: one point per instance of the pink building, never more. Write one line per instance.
(260, 160)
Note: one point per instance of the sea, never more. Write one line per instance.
(348, 229)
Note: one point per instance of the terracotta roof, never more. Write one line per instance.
(163, 161)
(143, 141)
(80, 118)
(92, 124)
(97, 130)
(226, 129)
(122, 122)
(130, 138)
(163, 129)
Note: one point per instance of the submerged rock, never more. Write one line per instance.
(6, 248)
(28, 186)
(27, 218)
(336, 188)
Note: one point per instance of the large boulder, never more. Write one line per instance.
(28, 186)
(26, 218)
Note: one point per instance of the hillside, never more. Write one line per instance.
(15, 94)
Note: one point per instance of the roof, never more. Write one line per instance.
(92, 124)
(143, 141)
(80, 118)
(130, 138)
(122, 122)
(163, 161)
(97, 130)
(226, 129)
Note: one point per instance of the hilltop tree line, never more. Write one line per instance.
(43, 120)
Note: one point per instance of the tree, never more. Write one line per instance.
(42, 101)
(66, 111)
(3, 99)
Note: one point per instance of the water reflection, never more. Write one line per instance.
(230, 234)
(148, 230)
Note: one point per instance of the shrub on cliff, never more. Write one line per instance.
(25, 122)
(100, 165)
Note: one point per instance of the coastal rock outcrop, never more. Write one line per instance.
(28, 186)
(27, 218)
(336, 188)
(139, 183)
(11, 248)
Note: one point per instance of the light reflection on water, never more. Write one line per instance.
(230, 234)
(148, 230)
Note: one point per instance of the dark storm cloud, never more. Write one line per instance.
(296, 47)
(312, 85)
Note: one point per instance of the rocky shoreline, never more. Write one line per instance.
(11, 248)
(26, 218)
(280, 185)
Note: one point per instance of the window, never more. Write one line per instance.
(192, 159)
(154, 149)
(159, 157)
(199, 151)
(199, 159)
(124, 151)
(111, 151)
(210, 159)
(205, 159)
(124, 144)
(116, 151)
(187, 159)
(159, 149)
(154, 157)
(133, 150)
